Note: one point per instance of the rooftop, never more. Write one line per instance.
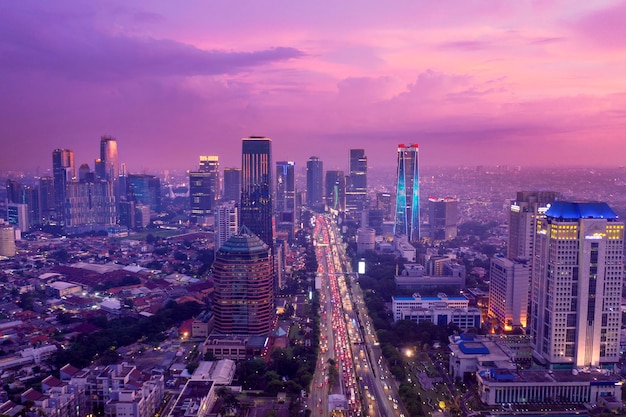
(571, 210)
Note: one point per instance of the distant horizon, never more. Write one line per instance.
(301, 168)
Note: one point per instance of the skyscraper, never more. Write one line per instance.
(255, 210)
(285, 186)
(7, 241)
(314, 182)
(232, 185)
(407, 220)
(285, 197)
(64, 172)
(109, 159)
(244, 295)
(204, 186)
(144, 190)
(523, 214)
(508, 293)
(46, 199)
(90, 206)
(336, 191)
(577, 286)
(226, 222)
(356, 184)
(443, 217)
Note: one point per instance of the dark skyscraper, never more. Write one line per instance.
(285, 186)
(285, 197)
(314, 182)
(443, 217)
(256, 188)
(336, 191)
(204, 189)
(46, 199)
(64, 172)
(407, 193)
(356, 186)
(144, 190)
(232, 185)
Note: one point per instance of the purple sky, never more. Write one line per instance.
(488, 82)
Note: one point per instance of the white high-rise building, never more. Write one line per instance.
(7, 240)
(508, 293)
(226, 222)
(577, 286)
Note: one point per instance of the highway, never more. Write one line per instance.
(347, 336)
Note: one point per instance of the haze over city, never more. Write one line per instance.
(524, 83)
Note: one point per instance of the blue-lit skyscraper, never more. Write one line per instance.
(407, 193)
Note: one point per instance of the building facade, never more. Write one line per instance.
(577, 286)
(407, 219)
(443, 217)
(144, 190)
(523, 214)
(356, 184)
(286, 217)
(232, 185)
(64, 172)
(256, 208)
(226, 222)
(244, 285)
(336, 191)
(204, 189)
(314, 182)
(508, 293)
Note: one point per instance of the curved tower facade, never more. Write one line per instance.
(244, 295)
(407, 220)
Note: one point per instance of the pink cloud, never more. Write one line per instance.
(605, 27)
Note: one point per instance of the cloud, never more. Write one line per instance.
(604, 27)
(59, 44)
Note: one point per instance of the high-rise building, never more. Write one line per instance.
(285, 198)
(109, 159)
(126, 214)
(385, 202)
(314, 183)
(144, 190)
(232, 185)
(46, 199)
(226, 222)
(14, 191)
(523, 214)
(204, 189)
(28, 195)
(244, 288)
(7, 241)
(17, 216)
(64, 172)
(90, 206)
(285, 186)
(407, 193)
(356, 184)
(508, 293)
(255, 210)
(336, 191)
(577, 286)
(443, 217)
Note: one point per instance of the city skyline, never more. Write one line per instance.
(477, 84)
